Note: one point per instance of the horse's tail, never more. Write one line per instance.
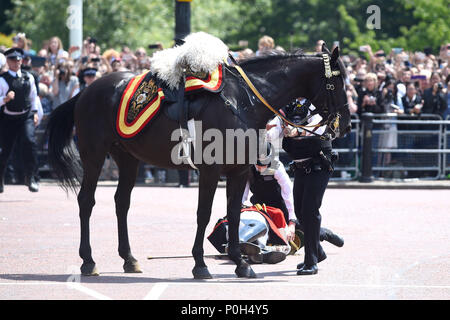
(62, 154)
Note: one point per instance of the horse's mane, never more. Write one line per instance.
(277, 55)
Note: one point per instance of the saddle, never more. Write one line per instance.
(195, 83)
(176, 75)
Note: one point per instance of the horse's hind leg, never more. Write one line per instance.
(92, 166)
(208, 180)
(128, 166)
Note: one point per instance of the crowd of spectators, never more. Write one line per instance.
(59, 76)
(397, 82)
(411, 84)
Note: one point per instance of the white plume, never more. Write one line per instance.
(201, 52)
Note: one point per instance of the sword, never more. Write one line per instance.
(216, 256)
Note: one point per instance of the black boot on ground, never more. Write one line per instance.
(308, 270)
(32, 184)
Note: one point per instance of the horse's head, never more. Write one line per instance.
(319, 78)
(330, 97)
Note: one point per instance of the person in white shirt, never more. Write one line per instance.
(270, 184)
(20, 113)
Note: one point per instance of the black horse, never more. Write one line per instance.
(279, 79)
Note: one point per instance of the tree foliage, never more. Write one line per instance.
(411, 24)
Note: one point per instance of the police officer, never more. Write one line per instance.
(270, 184)
(19, 105)
(312, 165)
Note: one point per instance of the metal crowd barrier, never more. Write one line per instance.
(446, 143)
(42, 146)
(348, 164)
(401, 146)
(420, 148)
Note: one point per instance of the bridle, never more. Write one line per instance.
(329, 86)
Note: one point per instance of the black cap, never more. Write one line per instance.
(89, 72)
(296, 111)
(14, 53)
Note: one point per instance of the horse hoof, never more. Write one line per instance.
(201, 273)
(132, 267)
(245, 272)
(89, 269)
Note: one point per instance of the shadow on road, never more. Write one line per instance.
(112, 277)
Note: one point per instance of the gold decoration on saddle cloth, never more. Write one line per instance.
(140, 102)
(204, 81)
(142, 98)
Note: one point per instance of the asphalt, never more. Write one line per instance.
(349, 184)
(397, 245)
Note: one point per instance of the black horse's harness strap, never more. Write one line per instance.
(232, 107)
(276, 112)
(329, 85)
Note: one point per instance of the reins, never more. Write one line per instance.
(261, 98)
(329, 86)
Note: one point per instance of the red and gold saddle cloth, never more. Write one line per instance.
(140, 102)
(144, 95)
(196, 81)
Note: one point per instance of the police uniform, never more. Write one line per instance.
(273, 187)
(17, 118)
(312, 170)
(88, 72)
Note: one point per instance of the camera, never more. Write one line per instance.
(419, 77)
(363, 48)
(37, 62)
(389, 94)
(440, 86)
(380, 67)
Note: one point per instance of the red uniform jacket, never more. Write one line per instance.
(273, 216)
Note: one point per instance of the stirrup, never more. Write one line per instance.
(186, 148)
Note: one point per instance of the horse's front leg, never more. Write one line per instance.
(236, 182)
(208, 179)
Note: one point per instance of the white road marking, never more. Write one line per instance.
(159, 288)
(85, 290)
(400, 274)
(156, 291)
